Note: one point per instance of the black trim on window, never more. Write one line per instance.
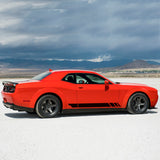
(83, 75)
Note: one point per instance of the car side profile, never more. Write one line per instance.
(52, 92)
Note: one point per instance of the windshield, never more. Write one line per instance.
(41, 76)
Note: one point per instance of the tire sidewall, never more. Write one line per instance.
(41, 100)
(131, 109)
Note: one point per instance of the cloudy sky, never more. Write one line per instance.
(80, 29)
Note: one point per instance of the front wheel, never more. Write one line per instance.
(48, 106)
(138, 103)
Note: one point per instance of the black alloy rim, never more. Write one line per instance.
(139, 104)
(49, 106)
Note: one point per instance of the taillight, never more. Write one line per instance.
(9, 86)
(10, 89)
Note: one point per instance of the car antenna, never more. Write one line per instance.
(50, 70)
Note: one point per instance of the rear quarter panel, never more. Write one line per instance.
(30, 92)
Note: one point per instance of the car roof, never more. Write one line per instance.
(72, 71)
(61, 73)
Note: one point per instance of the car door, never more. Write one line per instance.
(91, 91)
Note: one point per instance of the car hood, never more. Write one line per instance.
(138, 85)
(132, 84)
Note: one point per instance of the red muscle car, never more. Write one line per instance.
(52, 92)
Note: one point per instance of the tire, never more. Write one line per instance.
(48, 106)
(138, 103)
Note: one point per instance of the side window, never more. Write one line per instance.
(80, 79)
(95, 79)
(69, 78)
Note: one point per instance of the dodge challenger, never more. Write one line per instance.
(53, 92)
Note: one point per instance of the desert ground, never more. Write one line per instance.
(92, 136)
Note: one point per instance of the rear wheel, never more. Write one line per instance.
(48, 106)
(138, 103)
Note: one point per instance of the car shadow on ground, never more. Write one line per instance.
(103, 113)
(24, 115)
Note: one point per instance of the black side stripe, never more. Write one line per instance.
(95, 105)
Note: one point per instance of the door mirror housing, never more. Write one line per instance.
(106, 85)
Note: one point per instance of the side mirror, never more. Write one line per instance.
(106, 85)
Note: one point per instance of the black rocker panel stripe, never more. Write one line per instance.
(96, 105)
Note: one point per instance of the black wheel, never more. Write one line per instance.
(138, 103)
(48, 106)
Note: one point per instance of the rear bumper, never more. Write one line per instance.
(18, 108)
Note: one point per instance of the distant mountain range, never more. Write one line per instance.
(136, 64)
(22, 68)
(55, 64)
(140, 64)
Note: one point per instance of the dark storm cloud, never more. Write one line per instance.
(79, 28)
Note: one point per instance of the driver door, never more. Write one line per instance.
(91, 91)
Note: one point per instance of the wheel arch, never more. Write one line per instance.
(128, 95)
(46, 91)
(139, 92)
(50, 93)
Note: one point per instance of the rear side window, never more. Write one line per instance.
(70, 78)
(41, 76)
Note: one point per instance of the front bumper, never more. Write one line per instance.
(18, 108)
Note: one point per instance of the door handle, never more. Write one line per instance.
(80, 87)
